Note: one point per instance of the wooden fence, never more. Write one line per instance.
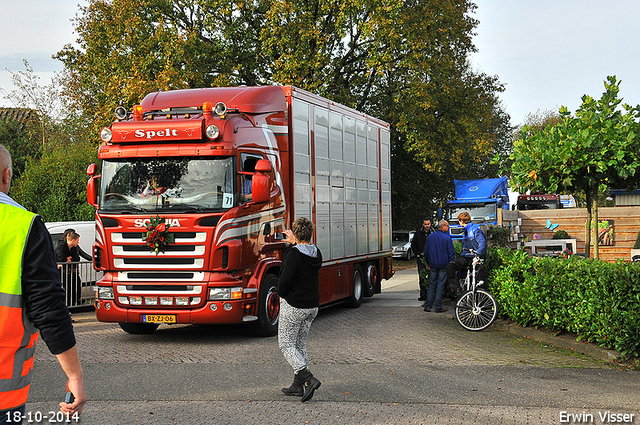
(625, 222)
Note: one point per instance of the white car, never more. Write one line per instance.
(401, 242)
(86, 230)
(83, 293)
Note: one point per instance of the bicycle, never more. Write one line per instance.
(476, 309)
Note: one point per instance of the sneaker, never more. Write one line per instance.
(427, 309)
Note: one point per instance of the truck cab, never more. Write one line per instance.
(482, 199)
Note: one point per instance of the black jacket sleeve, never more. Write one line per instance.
(61, 251)
(84, 254)
(42, 291)
(287, 273)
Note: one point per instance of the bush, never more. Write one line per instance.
(498, 235)
(598, 301)
(560, 234)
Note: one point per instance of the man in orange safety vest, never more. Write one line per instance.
(32, 302)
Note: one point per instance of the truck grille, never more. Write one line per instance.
(187, 253)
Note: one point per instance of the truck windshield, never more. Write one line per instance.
(167, 184)
(480, 213)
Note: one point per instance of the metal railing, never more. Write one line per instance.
(79, 282)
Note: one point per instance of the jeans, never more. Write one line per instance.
(438, 279)
(8, 416)
(423, 276)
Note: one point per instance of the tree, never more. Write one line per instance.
(405, 62)
(55, 185)
(44, 100)
(16, 138)
(48, 160)
(540, 120)
(597, 148)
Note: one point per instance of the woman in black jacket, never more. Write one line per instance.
(74, 251)
(299, 300)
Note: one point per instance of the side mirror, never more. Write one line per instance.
(263, 166)
(92, 194)
(261, 185)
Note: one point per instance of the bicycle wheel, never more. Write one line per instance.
(476, 311)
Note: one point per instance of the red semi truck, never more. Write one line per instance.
(221, 173)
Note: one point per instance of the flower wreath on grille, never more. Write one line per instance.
(158, 236)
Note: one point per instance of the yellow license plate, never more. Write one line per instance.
(159, 318)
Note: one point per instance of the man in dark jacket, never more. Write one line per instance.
(417, 246)
(31, 302)
(438, 251)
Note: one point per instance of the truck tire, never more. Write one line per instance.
(139, 328)
(268, 307)
(371, 276)
(355, 299)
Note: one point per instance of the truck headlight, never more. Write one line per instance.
(106, 135)
(212, 131)
(105, 293)
(216, 294)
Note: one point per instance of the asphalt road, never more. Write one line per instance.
(387, 362)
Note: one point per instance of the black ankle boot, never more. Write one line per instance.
(309, 384)
(296, 388)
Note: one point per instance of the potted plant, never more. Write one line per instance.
(636, 248)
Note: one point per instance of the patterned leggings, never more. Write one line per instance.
(293, 329)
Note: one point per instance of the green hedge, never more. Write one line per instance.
(597, 301)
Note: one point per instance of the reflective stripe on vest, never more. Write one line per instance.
(18, 336)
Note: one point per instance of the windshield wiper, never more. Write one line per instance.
(189, 208)
(125, 209)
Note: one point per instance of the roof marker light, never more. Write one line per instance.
(207, 108)
(137, 113)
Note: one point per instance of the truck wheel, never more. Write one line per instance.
(372, 279)
(355, 300)
(139, 328)
(268, 307)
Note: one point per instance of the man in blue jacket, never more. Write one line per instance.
(473, 238)
(439, 252)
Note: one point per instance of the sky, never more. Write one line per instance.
(547, 53)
